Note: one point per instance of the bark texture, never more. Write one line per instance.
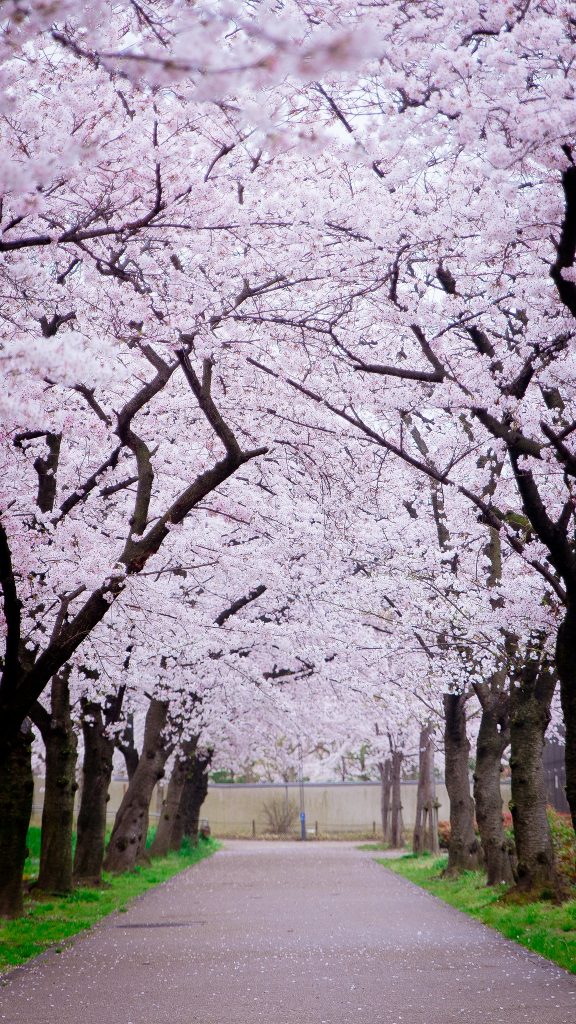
(493, 738)
(396, 824)
(170, 826)
(128, 840)
(426, 823)
(194, 795)
(16, 792)
(530, 699)
(96, 775)
(57, 729)
(126, 744)
(464, 853)
(385, 771)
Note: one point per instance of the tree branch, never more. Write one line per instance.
(514, 439)
(566, 248)
(15, 706)
(77, 234)
(563, 453)
(82, 492)
(88, 394)
(202, 392)
(137, 553)
(561, 553)
(491, 517)
(436, 376)
(240, 603)
(45, 467)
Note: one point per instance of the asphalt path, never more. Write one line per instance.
(289, 933)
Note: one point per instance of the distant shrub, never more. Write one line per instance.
(281, 815)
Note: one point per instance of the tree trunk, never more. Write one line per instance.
(194, 795)
(530, 698)
(126, 745)
(16, 792)
(128, 840)
(493, 738)
(464, 852)
(426, 824)
(60, 787)
(96, 775)
(396, 824)
(169, 832)
(566, 665)
(384, 768)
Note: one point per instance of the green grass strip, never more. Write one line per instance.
(49, 921)
(543, 927)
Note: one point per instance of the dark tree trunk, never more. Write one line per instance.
(464, 852)
(530, 699)
(385, 770)
(396, 824)
(125, 743)
(493, 738)
(194, 795)
(426, 824)
(169, 832)
(96, 775)
(128, 840)
(60, 787)
(16, 792)
(566, 665)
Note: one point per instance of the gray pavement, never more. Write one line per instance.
(289, 933)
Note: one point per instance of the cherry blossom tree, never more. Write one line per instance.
(263, 255)
(463, 308)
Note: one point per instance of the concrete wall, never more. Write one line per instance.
(336, 807)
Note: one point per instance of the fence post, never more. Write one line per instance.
(253, 829)
(373, 828)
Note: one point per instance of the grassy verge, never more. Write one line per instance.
(542, 927)
(51, 920)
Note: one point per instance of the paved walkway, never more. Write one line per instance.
(283, 933)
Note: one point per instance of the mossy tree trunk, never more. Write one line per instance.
(530, 700)
(128, 840)
(396, 823)
(57, 729)
(426, 824)
(385, 771)
(96, 776)
(464, 853)
(493, 739)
